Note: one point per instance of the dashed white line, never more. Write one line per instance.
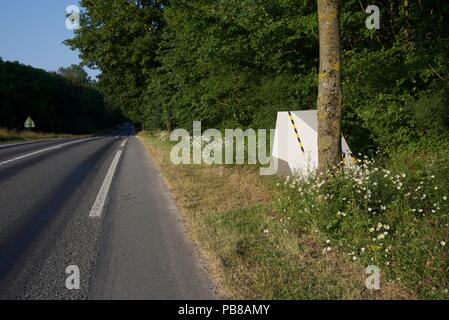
(97, 208)
(124, 143)
(42, 150)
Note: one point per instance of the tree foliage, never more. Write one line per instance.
(121, 38)
(57, 102)
(235, 63)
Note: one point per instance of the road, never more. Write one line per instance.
(98, 204)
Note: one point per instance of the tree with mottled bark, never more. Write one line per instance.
(329, 88)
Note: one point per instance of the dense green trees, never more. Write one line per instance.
(75, 74)
(57, 102)
(121, 38)
(236, 62)
(396, 77)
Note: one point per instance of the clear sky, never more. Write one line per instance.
(32, 32)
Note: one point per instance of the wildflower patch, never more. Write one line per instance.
(394, 220)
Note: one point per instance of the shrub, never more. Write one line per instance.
(394, 215)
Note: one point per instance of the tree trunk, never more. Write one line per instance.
(169, 126)
(329, 88)
(166, 115)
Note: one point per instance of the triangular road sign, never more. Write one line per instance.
(29, 123)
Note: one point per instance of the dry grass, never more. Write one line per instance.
(231, 214)
(10, 135)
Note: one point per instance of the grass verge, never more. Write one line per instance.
(10, 135)
(253, 248)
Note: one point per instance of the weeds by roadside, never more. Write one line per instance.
(10, 135)
(393, 215)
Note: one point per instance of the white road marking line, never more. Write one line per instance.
(124, 143)
(97, 208)
(42, 150)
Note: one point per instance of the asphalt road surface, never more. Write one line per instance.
(101, 206)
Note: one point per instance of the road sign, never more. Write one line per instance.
(29, 123)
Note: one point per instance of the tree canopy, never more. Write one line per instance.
(235, 63)
(65, 102)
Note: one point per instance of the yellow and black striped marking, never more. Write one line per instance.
(296, 131)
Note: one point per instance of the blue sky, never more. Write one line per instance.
(32, 32)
